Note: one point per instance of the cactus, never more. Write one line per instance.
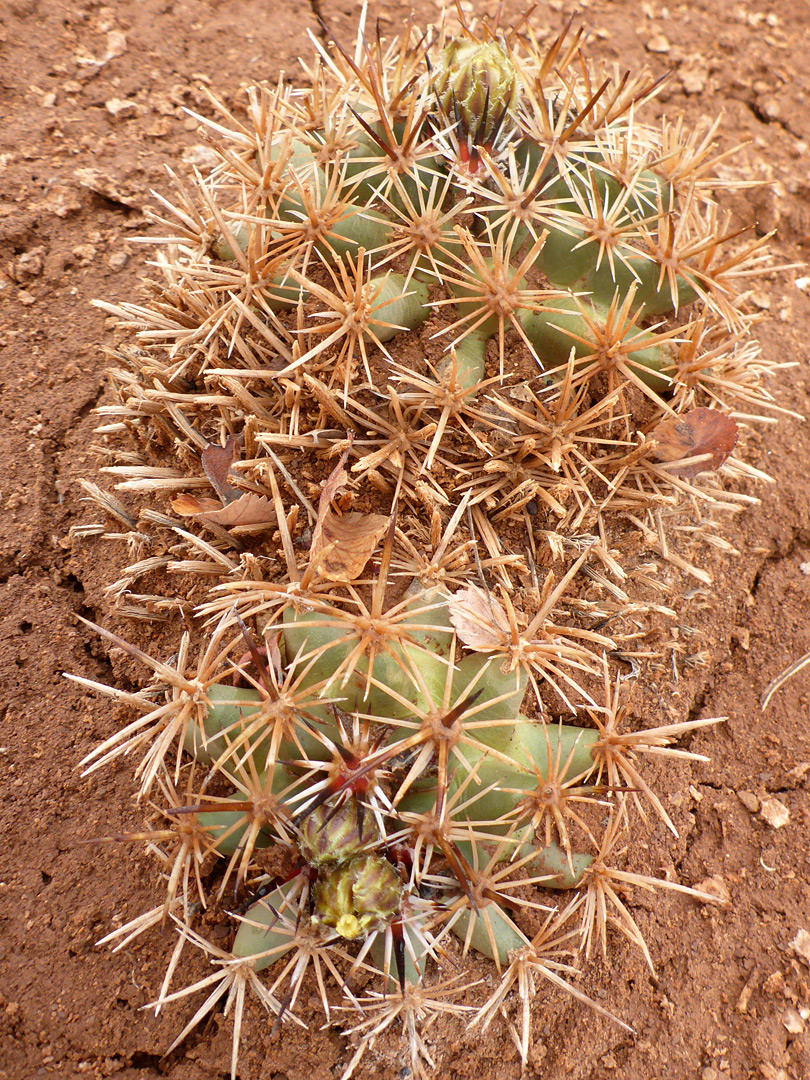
(460, 263)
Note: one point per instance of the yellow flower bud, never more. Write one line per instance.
(476, 83)
(358, 897)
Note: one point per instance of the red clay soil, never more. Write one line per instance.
(93, 103)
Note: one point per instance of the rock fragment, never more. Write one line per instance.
(801, 945)
(749, 801)
(775, 813)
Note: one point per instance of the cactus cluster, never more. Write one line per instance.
(432, 329)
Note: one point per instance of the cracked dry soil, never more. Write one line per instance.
(93, 99)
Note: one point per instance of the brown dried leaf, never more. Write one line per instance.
(345, 543)
(249, 509)
(479, 619)
(697, 433)
(190, 506)
(216, 462)
(334, 482)
(342, 543)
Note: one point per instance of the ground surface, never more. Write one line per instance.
(92, 99)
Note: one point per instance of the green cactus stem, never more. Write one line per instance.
(585, 327)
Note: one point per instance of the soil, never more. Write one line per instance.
(95, 102)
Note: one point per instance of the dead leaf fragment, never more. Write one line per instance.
(342, 544)
(234, 507)
(250, 509)
(216, 462)
(479, 619)
(701, 433)
(345, 543)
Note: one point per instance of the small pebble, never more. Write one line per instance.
(771, 1072)
(775, 984)
(116, 44)
(716, 887)
(693, 80)
(85, 253)
(775, 813)
(658, 44)
(120, 108)
(801, 945)
(772, 109)
(792, 1021)
(118, 260)
(200, 155)
(29, 264)
(749, 801)
(761, 300)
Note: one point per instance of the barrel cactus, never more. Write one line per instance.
(451, 334)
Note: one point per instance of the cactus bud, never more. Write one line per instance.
(477, 84)
(356, 897)
(330, 835)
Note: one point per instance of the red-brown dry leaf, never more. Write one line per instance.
(698, 432)
(249, 509)
(216, 462)
(479, 619)
(342, 543)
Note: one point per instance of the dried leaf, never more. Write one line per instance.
(334, 482)
(342, 543)
(345, 543)
(697, 433)
(216, 463)
(190, 506)
(479, 619)
(240, 508)
(249, 509)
